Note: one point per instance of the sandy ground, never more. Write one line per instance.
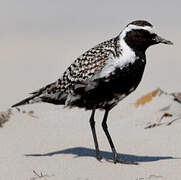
(57, 143)
(43, 141)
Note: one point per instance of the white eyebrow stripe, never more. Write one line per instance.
(132, 27)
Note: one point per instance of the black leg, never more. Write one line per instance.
(92, 124)
(115, 154)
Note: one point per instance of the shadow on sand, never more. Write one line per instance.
(87, 152)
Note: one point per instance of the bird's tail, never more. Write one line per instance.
(38, 96)
(35, 95)
(29, 100)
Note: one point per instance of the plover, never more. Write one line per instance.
(103, 76)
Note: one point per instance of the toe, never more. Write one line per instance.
(99, 157)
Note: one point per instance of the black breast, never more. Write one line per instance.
(121, 82)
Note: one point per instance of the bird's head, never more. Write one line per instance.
(139, 35)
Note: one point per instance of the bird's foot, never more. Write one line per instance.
(117, 159)
(98, 156)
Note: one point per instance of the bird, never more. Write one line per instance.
(103, 76)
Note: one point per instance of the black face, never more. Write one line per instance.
(140, 39)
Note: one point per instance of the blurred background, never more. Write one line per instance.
(40, 38)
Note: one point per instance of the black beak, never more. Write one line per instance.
(159, 39)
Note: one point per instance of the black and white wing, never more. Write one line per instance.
(79, 74)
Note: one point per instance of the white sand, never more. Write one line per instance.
(58, 143)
